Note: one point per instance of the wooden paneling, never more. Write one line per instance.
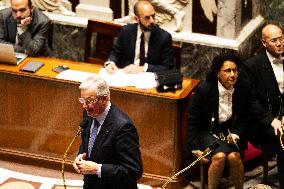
(40, 116)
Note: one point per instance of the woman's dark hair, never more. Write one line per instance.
(218, 62)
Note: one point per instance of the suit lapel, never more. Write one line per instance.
(34, 22)
(86, 139)
(132, 41)
(215, 95)
(152, 46)
(268, 75)
(214, 102)
(12, 29)
(104, 132)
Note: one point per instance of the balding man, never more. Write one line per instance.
(142, 46)
(25, 27)
(265, 72)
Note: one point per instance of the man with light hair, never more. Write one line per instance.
(109, 156)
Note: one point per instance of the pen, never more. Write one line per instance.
(235, 143)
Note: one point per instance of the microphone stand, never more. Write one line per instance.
(185, 169)
(65, 155)
(281, 134)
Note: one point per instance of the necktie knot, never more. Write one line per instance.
(277, 61)
(96, 123)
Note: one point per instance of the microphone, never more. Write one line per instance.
(206, 152)
(83, 124)
(282, 126)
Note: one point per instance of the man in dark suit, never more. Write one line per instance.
(109, 156)
(265, 72)
(25, 27)
(142, 46)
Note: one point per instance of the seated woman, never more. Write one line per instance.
(218, 112)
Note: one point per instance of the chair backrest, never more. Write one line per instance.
(106, 32)
(177, 54)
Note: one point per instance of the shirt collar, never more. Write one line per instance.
(101, 118)
(146, 33)
(273, 59)
(222, 90)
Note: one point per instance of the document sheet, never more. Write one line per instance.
(143, 80)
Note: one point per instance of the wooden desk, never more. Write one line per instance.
(40, 116)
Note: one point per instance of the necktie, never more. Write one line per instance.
(93, 135)
(142, 50)
(277, 61)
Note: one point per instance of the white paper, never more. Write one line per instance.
(144, 80)
(74, 75)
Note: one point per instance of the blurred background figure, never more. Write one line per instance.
(58, 6)
(26, 27)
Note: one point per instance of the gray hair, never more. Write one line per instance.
(97, 84)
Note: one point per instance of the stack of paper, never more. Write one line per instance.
(74, 75)
(143, 80)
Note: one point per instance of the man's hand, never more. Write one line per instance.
(133, 69)
(276, 124)
(77, 160)
(232, 138)
(85, 167)
(111, 68)
(25, 22)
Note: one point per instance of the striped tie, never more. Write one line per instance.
(93, 135)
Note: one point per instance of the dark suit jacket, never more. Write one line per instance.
(205, 106)
(33, 40)
(160, 52)
(117, 149)
(259, 71)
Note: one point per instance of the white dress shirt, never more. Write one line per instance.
(277, 66)
(225, 103)
(137, 47)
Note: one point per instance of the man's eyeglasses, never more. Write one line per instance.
(229, 70)
(88, 100)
